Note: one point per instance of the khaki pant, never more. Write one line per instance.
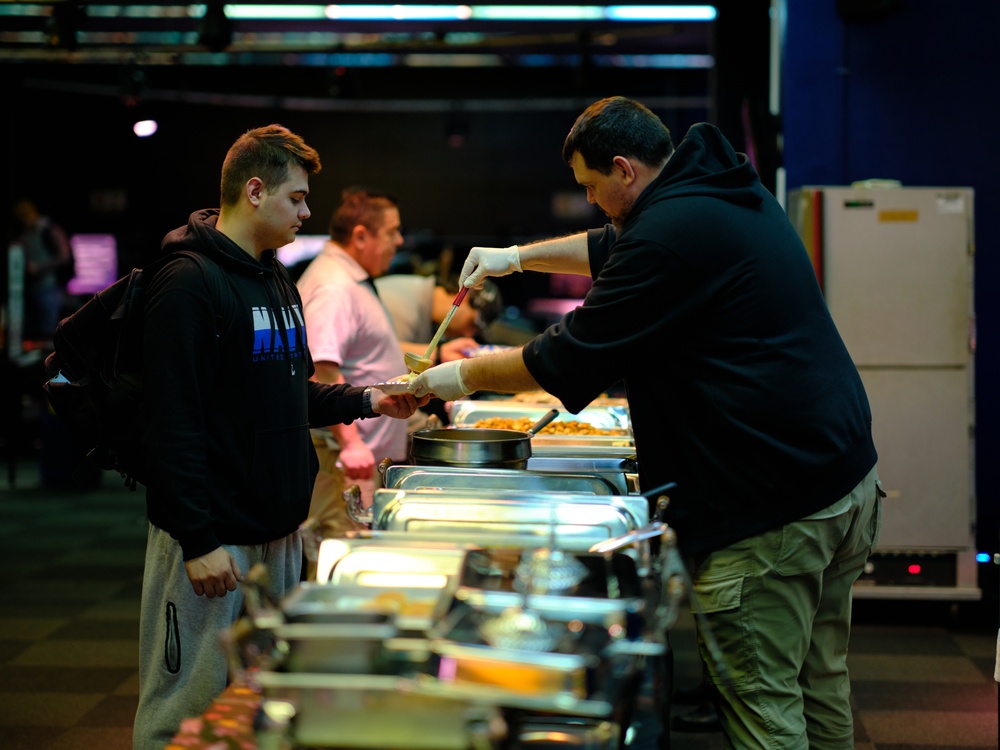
(327, 510)
(779, 607)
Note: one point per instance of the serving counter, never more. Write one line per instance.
(482, 607)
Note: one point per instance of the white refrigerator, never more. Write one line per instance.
(896, 267)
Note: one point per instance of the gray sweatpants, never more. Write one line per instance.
(182, 666)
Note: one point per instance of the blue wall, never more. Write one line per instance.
(914, 96)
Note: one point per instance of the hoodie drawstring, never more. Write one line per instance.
(286, 314)
(278, 317)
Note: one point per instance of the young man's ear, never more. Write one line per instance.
(254, 190)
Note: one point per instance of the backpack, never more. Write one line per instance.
(94, 374)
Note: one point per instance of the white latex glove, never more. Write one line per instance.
(444, 381)
(489, 261)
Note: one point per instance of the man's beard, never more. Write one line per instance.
(626, 208)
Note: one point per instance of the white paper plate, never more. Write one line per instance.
(393, 387)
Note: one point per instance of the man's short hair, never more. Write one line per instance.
(359, 206)
(265, 153)
(618, 126)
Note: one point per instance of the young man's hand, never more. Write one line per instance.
(213, 574)
(400, 406)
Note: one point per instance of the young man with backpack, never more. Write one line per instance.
(227, 403)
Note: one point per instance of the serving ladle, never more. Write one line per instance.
(418, 363)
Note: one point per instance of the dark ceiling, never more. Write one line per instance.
(322, 63)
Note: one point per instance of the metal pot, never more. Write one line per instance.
(473, 447)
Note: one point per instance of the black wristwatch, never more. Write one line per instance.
(366, 403)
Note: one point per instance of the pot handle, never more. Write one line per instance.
(662, 499)
(380, 470)
(617, 542)
(355, 509)
(541, 423)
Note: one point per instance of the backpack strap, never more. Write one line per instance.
(216, 279)
(218, 282)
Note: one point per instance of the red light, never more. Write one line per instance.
(913, 569)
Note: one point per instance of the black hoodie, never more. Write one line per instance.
(740, 387)
(227, 400)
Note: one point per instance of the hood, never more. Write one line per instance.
(706, 164)
(200, 235)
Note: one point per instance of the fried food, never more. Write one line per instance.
(558, 427)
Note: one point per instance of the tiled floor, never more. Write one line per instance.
(70, 574)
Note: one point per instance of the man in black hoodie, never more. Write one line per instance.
(741, 390)
(227, 407)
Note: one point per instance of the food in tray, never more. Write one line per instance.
(399, 603)
(558, 427)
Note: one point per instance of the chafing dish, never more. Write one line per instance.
(520, 651)
(623, 469)
(596, 482)
(467, 413)
(585, 446)
(558, 732)
(255, 643)
(402, 563)
(335, 648)
(408, 608)
(610, 592)
(371, 711)
(409, 477)
(565, 519)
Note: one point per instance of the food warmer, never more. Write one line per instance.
(516, 605)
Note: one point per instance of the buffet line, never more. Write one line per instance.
(511, 588)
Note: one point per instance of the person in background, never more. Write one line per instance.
(227, 405)
(352, 339)
(48, 268)
(740, 390)
(418, 305)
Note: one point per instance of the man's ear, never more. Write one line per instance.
(624, 166)
(359, 235)
(254, 190)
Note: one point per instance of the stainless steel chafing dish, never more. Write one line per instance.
(610, 592)
(403, 562)
(410, 608)
(521, 651)
(559, 732)
(584, 446)
(623, 469)
(335, 648)
(572, 521)
(467, 413)
(381, 712)
(596, 482)
(403, 476)
(586, 464)
(323, 627)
